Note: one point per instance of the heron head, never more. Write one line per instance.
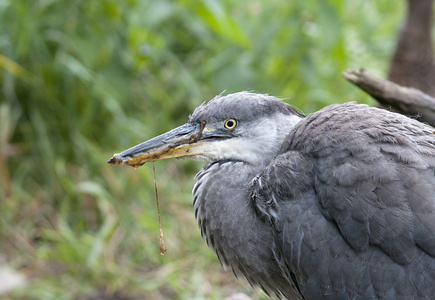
(242, 126)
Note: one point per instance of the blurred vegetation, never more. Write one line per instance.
(82, 79)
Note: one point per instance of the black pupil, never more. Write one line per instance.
(230, 124)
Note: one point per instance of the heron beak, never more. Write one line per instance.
(186, 140)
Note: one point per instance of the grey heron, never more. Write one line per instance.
(339, 204)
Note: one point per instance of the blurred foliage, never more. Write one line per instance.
(82, 79)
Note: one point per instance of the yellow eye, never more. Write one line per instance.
(230, 124)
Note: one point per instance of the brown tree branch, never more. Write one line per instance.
(408, 101)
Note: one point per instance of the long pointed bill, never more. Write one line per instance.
(182, 141)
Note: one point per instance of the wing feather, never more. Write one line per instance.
(355, 192)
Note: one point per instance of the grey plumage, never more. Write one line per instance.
(339, 204)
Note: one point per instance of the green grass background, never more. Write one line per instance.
(82, 79)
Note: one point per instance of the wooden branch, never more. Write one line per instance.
(408, 101)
